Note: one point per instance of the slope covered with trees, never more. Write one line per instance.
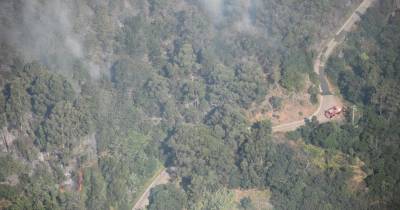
(162, 82)
(367, 73)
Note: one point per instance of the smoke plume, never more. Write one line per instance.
(238, 14)
(40, 30)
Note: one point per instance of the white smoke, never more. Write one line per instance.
(214, 8)
(243, 12)
(40, 30)
(245, 23)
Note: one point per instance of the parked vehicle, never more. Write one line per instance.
(333, 111)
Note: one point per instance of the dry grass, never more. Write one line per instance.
(320, 159)
(4, 203)
(356, 183)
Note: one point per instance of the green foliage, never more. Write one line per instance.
(370, 81)
(167, 197)
(127, 165)
(3, 118)
(276, 102)
(242, 85)
(133, 36)
(246, 204)
(9, 167)
(367, 75)
(65, 124)
(294, 67)
(211, 155)
(185, 57)
(227, 122)
(26, 148)
(127, 74)
(252, 155)
(292, 80)
(52, 101)
(38, 191)
(314, 78)
(249, 83)
(177, 83)
(60, 124)
(46, 90)
(222, 199)
(95, 186)
(17, 102)
(313, 91)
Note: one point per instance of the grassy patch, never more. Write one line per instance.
(259, 198)
(324, 159)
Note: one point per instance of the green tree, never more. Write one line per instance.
(186, 57)
(253, 155)
(191, 158)
(17, 102)
(167, 197)
(276, 102)
(313, 91)
(246, 204)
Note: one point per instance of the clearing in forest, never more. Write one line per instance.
(259, 198)
(292, 107)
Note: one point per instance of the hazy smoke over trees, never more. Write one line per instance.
(46, 31)
(40, 30)
(214, 7)
(239, 13)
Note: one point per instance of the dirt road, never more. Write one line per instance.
(143, 201)
(326, 99)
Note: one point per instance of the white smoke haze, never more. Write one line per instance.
(40, 30)
(58, 32)
(245, 22)
(94, 70)
(214, 8)
(74, 46)
(243, 13)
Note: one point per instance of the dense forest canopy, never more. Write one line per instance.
(98, 97)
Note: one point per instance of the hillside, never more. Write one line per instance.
(97, 97)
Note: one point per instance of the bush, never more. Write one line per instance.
(167, 197)
(276, 102)
(246, 204)
(313, 91)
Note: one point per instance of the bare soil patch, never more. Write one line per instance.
(295, 106)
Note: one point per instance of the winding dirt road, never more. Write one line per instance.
(326, 99)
